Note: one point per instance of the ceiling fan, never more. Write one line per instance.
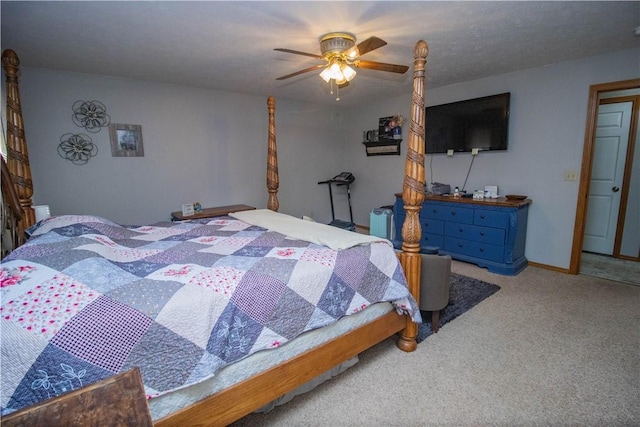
(340, 53)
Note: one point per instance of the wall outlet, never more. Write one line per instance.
(570, 175)
(449, 153)
(475, 151)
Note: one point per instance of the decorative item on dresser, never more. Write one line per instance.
(257, 378)
(490, 232)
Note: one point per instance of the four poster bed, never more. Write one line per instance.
(65, 254)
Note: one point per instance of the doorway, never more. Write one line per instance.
(608, 191)
(596, 92)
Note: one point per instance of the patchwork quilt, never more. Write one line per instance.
(86, 298)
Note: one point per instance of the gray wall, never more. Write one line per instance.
(199, 145)
(546, 137)
(210, 146)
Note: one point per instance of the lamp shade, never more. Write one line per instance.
(338, 71)
(348, 72)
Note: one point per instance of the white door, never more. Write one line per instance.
(607, 171)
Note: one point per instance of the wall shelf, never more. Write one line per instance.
(384, 147)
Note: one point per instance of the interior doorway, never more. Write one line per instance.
(596, 92)
(607, 196)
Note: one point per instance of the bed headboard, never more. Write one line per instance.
(17, 153)
(10, 215)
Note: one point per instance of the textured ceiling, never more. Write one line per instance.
(229, 44)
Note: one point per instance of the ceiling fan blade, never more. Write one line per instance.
(306, 70)
(297, 52)
(370, 44)
(381, 66)
(365, 46)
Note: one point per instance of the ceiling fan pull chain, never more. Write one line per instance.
(337, 91)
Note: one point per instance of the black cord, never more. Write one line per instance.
(430, 170)
(468, 172)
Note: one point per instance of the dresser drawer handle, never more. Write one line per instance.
(482, 217)
(460, 245)
(453, 213)
(460, 230)
(482, 233)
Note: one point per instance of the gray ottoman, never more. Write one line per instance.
(434, 284)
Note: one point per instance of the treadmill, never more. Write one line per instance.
(344, 178)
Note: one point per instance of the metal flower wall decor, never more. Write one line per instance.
(77, 148)
(91, 115)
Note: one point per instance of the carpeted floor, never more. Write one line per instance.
(464, 294)
(548, 349)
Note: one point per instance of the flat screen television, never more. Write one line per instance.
(481, 123)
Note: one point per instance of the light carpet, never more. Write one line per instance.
(548, 349)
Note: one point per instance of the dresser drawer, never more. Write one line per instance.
(429, 239)
(475, 249)
(432, 211)
(494, 236)
(432, 226)
(491, 218)
(457, 214)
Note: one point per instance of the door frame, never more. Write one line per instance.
(587, 162)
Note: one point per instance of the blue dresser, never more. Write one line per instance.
(490, 233)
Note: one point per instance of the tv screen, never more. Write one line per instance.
(481, 123)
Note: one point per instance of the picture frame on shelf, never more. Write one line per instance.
(126, 140)
(384, 130)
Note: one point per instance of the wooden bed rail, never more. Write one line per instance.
(17, 153)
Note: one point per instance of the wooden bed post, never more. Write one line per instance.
(17, 154)
(413, 192)
(273, 181)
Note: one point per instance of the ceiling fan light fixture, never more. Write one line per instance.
(325, 75)
(339, 71)
(332, 72)
(336, 42)
(341, 56)
(348, 72)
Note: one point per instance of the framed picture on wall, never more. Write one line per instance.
(126, 140)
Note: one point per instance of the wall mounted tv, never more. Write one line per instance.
(481, 123)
